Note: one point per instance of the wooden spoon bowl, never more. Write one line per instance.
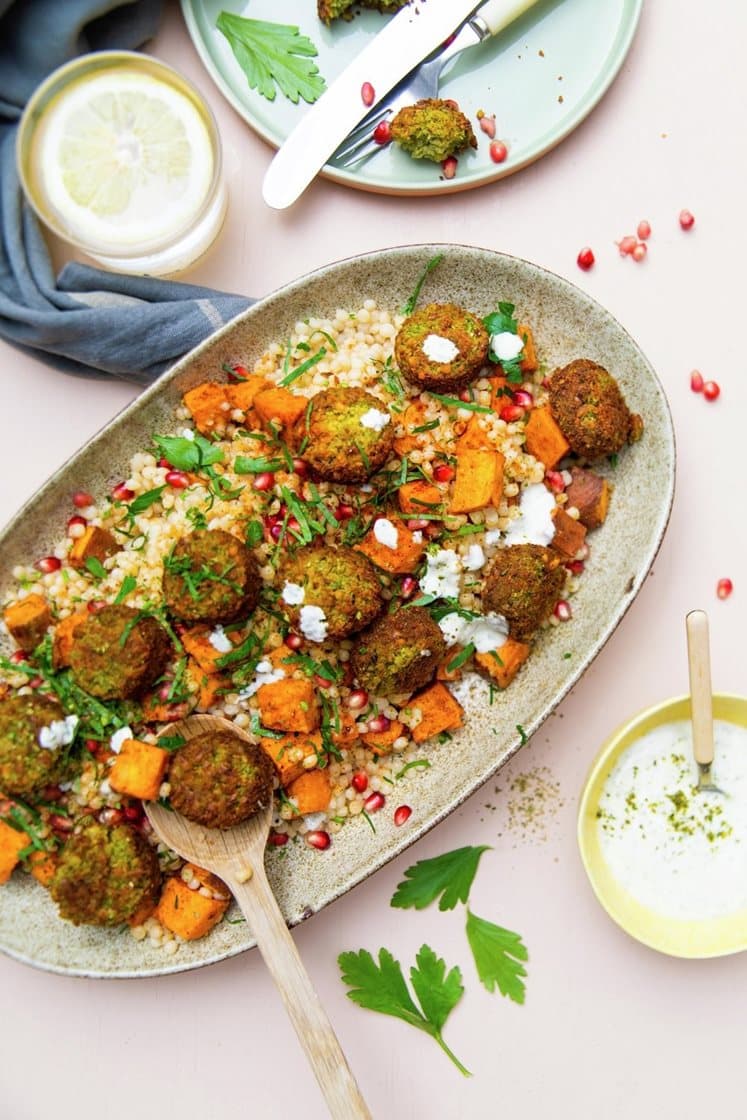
(236, 855)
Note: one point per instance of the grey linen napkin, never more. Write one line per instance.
(87, 321)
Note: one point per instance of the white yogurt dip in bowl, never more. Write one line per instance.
(667, 863)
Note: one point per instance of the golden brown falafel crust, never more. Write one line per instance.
(118, 653)
(432, 129)
(445, 320)
(523, 583)
(335, 443)
(340, 580)
(400, 653)
(590, 410)
(26, 767)
(219, 779)
(211, 577)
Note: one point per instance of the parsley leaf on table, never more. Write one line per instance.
(272, 56)
(382, 987)
(498, 955)
(449, 876)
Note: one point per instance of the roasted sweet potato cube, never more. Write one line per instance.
(12, 843)
(347, 733)
(412, 417)
(381, 742)
(502, 664)
(281, 658)
(439, 711)
(64, 636)
(529, 361)
(187, 913)
(210, 686)
(420, 497)
(544, 439)
(209, 406)
(400, 560)
(311, 792)
(478, 482)
(95, 544)
(196, 641)
(289, 705)
(590, 494)
(443, 672)
(289, 753)
(139, 769)
(570, 534)
(27, 621)
(43, 866)
(279, 404)
(474, 437)
(241, 394)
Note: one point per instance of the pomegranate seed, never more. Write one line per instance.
(35, 682)
(585, 259)
(164, 463)
(293, 525)
(60, 823)
(487, 124)
(401, 814)
(465, 395)
(379, 723)
(639, 253)
(239, 373)
(277, 839)
(443, 472)
(110, 816)
(294, 641)
(359, 781)
(18, 657)
(177, 479)
(374, 802)
(81, 499)
(368, 94)
(627, 245)
(696, 381)
(409, 587)
(95, 605)
(318, 839)
(523, 398)
(644, 230)
(76, 522)
(322, 682)
(417, 523)
(555, 481)
(511, 412)
(122, 493)
(344, 512)
(132, 813)
(48, 564)
(264, 481)
(498, 151)
(575, 566)
(357, 699)
(449, 167)
(724, 588)
(301, 467)
(276, 530)
(165, 690)
(92, 745)
(687, 220)
(711, 390)
(382, 134)
(563, 610)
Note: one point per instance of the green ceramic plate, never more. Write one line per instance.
(540, 77)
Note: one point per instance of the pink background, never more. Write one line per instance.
(608, 1025)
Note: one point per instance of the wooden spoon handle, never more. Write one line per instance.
(302, 1004)
(701, 699)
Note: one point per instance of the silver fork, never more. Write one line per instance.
(424, 80)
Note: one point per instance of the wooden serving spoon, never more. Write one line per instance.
(236, 855)
(701, 698)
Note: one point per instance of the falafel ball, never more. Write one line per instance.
(211, 577)
(432, 129)
(340, 580)
(441, 347)
(523, 583)
(118, 652)
(346, 434)
(400, 653)
(105, 875)
(219, 779)
(25, 766)
(590, 410)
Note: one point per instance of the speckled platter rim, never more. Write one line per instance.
(694, 940)
(567, 323)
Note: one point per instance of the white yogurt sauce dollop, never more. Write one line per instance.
(534, 525)
(375, 420)
(439, 349)
(506, 346)
(680, 853)
(385, 532)
(313, 623)
(442, 575)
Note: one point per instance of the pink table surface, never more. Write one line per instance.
(608, 1025)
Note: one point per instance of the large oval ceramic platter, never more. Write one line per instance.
(540, 78)
(567, 324)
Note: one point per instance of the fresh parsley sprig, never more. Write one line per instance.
(498, 954)
(273, 56)
(500, 322)
(447, 877)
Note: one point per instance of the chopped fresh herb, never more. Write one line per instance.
(244, 465)
(455, 402)
(411, 303)
(371, 824)
(448, 876)
(461, 657)
(416, 764)
(256, 728)
(304, 367)
(171, 742)
(612, 459)
(567, 656)
(391, 379)
(128, 585)
(188, 454)
(522, 734)
(145, 501)
(254, 533)
(273, 56)
(500, 322)
(232, 371)
(95, 567)
(194, 577)
(426, 427)
(362, 452)
(382, 987)
(498, 954)
(491, 693)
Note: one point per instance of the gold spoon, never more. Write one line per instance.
(701, 698)
(236, 855)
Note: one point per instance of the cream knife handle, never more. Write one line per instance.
(701, 706)
(497, 14)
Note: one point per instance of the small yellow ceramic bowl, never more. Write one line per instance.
(712, 937)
